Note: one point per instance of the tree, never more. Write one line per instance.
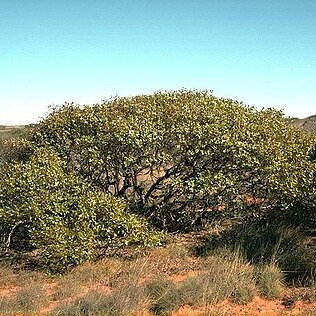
(180, 157)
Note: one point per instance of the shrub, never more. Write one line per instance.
(63, 216)
(88, 176)
(182, 157)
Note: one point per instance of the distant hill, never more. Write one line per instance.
(11, 131)
(308, 123)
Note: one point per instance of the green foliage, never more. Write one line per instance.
(182, 157)
(63, 217)
(88, 178)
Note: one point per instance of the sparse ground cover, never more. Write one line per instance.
(167, 280)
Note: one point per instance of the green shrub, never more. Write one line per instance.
(178, 156)
(90, 178)
(61, 215)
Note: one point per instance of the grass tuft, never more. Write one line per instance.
(263, 242)
(229, 276)
(308, 312)
(68, 286)
(125, 301)
(269, 280)
(164, 296)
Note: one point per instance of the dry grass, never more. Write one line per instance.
(306, 295)
(164, 296)
(101, 272)
(270, 281)
(31, 277)
(161, 282)
(229, 276)
(67, 287)
(7, 276)
(308, 312)
(225, 276)
(28, 299)
(125, 301)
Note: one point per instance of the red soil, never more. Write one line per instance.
(258, 307)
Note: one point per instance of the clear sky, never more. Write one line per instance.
(261, 52)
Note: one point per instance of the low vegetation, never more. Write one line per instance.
(121, 286)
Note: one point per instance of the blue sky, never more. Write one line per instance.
(51, 51)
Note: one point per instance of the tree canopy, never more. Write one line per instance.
(178, 156)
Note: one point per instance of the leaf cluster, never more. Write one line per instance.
(63, 216)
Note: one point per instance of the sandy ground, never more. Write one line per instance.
(258, 306)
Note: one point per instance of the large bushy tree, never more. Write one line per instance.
(180, 157)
